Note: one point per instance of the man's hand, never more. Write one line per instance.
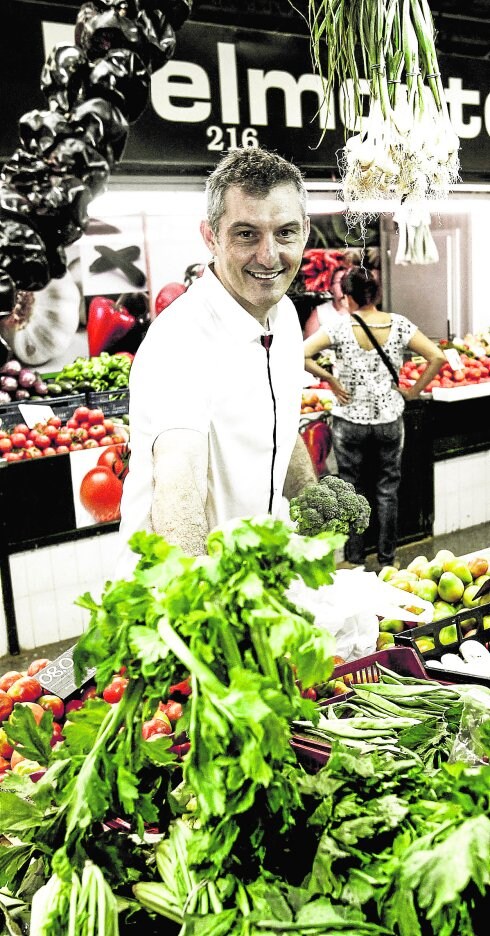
(180, 467)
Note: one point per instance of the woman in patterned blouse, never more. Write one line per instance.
(368, 415)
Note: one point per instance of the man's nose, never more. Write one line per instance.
(266, 252)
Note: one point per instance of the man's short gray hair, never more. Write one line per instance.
(256, 171)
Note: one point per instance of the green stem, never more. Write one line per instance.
(192, 663)
(80, 799)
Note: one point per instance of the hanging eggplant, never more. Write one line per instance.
(42, 324)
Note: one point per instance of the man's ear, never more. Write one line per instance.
(207, 236)
(307, 228)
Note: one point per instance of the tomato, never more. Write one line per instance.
(173, 710)
(76, 446)
(50, 431)
(72, 423)
(18, 439)
(21, 427)
(49, 451)
(8, 679)
(105, 440)
(33, 452)
(25, 689)
(6, 705)
(5, 445)
(90, 443)
(63, 437)
(97, 431)
(154, 727)
(81, 413)
(115, 690)
(54, 421)
(113, 457)
(80, 435)
(182, 688)
(37, 665)
(42, 441)
(100, 494)
(108, 426)
(95, 416)
(62, 450)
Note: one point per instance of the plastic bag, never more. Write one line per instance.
(350, 609)
(468, 747)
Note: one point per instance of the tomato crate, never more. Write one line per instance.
(112, 402)
(313, 754)
(431, 641)
(62, 406)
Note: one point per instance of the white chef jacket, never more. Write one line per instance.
(203, 366)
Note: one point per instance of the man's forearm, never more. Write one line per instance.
(180, 490)
(301, 470)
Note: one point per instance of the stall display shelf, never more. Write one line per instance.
(468, 392)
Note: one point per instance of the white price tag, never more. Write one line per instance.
(33, 413)
(453, 359)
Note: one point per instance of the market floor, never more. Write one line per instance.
(460, 542)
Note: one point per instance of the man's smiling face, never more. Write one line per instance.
(259, 246)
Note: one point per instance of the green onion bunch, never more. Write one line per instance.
(405, 149)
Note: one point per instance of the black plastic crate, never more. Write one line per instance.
(112, 402)
(432, 640)
(62, 406)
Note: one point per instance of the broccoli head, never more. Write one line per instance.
(332, 504)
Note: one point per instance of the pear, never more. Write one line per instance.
(434, 570)
(418, 565)
(478, 566)
(459, 568)
(425, 589)
(443, 556)
(387, 573)
(469, 596)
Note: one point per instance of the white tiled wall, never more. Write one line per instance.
(461, 492)
(46, 583)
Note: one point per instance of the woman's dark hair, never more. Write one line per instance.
(361, 285)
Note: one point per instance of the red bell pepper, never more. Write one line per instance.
(107, 322)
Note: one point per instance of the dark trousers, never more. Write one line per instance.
(353, 443)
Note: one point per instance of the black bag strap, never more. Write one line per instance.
(383, 355)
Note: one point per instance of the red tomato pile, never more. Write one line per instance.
(22, 688)
(474, 370)
(87, 428)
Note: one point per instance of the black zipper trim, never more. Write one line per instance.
(266, 341)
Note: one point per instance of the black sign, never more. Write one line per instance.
(228, 86)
